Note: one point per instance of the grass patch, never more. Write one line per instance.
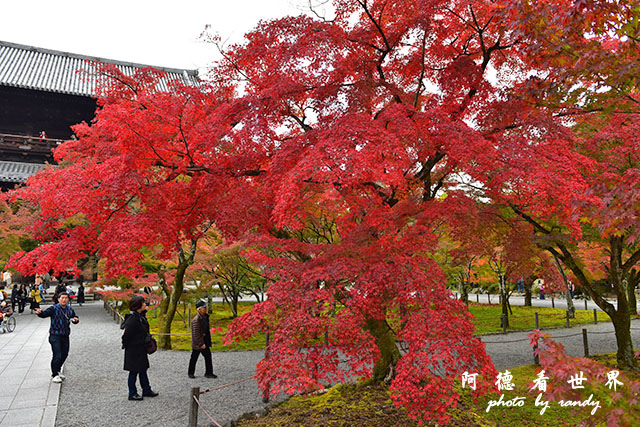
(487, 317)
(370, 405)
(486, 320)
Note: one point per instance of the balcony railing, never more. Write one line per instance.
(33, 145)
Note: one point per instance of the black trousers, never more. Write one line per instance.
(144, 382)
(60, 350)
(208, 365)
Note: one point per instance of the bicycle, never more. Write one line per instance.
(8, 322)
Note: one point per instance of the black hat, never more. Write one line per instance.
(201, 303)
(136, 303)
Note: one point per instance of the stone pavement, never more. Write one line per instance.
(27, 395)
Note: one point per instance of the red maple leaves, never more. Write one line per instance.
(335, 150)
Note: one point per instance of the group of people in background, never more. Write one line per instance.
(34, 294)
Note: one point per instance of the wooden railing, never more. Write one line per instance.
(28, 144)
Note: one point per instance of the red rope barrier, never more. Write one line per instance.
(205, 411)
(158, 333)
(506, 342)
(566, 336)
(227, 385)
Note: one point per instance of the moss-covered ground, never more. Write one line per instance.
(370, 406)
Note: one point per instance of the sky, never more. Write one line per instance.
(151, 32)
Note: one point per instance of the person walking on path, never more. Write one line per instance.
(42, 292)
(201, 341)
(136, 359)
(22, 297)
(80, 297)
(60, 288)
(35, 299)
(14, 297)
(61, 314)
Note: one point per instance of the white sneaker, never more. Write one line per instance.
(57, 379)
(62, 377)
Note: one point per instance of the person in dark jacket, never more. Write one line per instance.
(22, 296)
(60, 288)
(80, 298)
(136, 360)
(14, 297)
(201, 341)
(61, 314)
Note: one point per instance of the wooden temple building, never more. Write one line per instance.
(43, 93)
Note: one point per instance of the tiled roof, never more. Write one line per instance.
(54, 71)
(18, 172)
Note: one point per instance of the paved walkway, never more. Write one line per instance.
(27, 395)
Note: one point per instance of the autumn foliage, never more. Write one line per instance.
(335, 149)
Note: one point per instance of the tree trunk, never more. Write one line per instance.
(384, 368)
(504, 302)
(234, 305)
(622, 326)
(528, 290)
(464, 292)
(621, 317)
(165, 320)
(571, 309)
(633, 303)
(632, 282)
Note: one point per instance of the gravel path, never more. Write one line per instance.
(95, 391)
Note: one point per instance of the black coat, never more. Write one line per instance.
(80, 298)
(136, 329)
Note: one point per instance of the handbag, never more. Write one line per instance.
(150, 344)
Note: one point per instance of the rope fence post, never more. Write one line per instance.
(595, 316)
(537, 321)
(193, 407)
(553, 302)
(585, 342)
(478, 298)
(585, 304)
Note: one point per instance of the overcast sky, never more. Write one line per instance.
(143, 31)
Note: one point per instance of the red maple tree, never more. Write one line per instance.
(134, 186)
(368, 120)
(335, 148)
(585, 95)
